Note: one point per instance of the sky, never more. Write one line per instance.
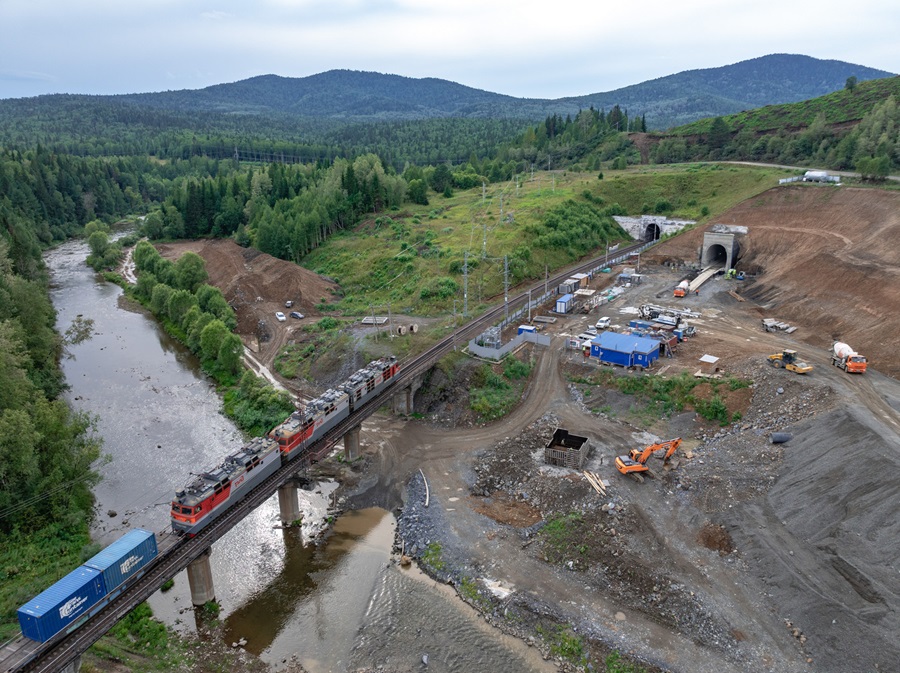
(522, 48)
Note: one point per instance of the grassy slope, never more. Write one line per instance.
(838, 107)
(391, 257)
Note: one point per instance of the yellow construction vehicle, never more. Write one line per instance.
(634, 465)
(788, 360)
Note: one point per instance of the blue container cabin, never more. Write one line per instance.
(625, 350)
(124, 558)
(61, 605)
(564, 303)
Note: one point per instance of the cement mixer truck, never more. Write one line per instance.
(847, 359)
(682, 289)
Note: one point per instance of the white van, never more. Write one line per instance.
(603, 323)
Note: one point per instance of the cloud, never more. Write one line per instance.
(24, 76)
(216, 15)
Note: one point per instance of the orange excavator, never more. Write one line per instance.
(635, 464)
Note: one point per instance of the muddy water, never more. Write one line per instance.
(331, 606)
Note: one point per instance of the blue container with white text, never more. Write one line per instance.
(63, 604)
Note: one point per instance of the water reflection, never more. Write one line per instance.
(314, 605)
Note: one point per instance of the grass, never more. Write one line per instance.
(468, 589)
(664, 396)
(432, 557)
(564, 644)
(558, 534)
(31, 563)
(412, 260)
(493, 394)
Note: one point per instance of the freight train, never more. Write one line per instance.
(68, 603)
(210, 493)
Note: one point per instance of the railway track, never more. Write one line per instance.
(176, 553)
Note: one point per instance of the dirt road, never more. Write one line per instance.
(749, 556)
(799, 591)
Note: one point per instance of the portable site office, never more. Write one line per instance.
(625, 350)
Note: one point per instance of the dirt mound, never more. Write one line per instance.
(824, 259)
(257, 285)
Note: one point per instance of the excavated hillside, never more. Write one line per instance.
(822, 258)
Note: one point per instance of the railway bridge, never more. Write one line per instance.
(63, 653)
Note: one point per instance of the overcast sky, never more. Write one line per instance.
(526, 48)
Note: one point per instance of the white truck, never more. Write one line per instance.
(843, 356)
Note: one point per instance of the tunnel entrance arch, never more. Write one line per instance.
(719, 249)
(715, 254)
(651, 232)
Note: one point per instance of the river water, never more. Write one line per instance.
(334, 606)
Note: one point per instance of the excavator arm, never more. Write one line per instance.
(670, 446)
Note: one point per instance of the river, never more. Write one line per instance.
(334, 605)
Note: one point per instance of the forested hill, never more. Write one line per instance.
(714, 92)
(667, 101)
(350, 96)
(342, 94)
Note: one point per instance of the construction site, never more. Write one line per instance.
(760, 540)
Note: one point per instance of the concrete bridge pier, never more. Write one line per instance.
(351, 443)
(73, 666)
(200, 579)
(288, 503)
(403, 399)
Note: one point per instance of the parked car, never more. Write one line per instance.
(591, 329)
(280, 316)
(288, 303)
(297, 315)
(603, 323)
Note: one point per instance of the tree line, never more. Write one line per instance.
(871, 147)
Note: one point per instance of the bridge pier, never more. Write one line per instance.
(351, 443)
(73, 666)
(403, 399)
(200, 579)
(288, 503)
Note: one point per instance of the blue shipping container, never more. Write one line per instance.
(65, 602)
(624, 349)
(526, 328)
(124, 558)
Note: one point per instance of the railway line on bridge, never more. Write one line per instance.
(23, 655)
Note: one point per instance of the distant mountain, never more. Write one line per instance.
(667, 101)
(342, 112)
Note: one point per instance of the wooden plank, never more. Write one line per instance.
(599, 482)
(590, 479)
(736, 295)
(595, 482)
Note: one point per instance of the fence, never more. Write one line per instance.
(500, 353)
(516, 316)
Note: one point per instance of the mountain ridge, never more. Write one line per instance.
(665, 101)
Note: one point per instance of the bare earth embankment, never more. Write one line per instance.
(749, 556)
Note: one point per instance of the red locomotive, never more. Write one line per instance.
(211, 493)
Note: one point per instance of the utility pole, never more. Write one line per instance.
(529, 305)
(483, 191)
(546, 278)
(506, 283)
(466, 283)
(390, 322)
(374, 322)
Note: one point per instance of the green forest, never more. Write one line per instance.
(286, 187)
